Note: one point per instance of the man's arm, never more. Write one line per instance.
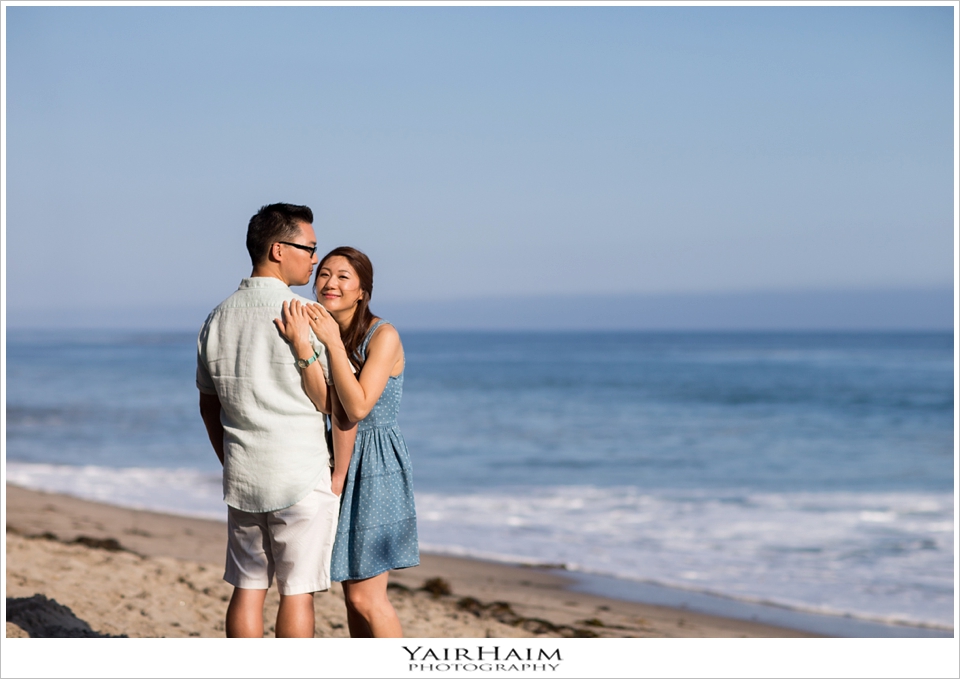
(210, 412)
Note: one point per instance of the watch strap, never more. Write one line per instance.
(301, 363)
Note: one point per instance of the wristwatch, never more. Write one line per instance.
(301, 363)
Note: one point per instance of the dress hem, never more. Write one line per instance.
(381, 572)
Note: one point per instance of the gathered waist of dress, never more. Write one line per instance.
(368, 424)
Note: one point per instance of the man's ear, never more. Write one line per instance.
(275, 252)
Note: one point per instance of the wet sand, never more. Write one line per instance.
(80, 568)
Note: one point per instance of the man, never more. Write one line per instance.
(262, 399)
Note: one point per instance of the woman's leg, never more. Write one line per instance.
(359, 629)
(368, 600)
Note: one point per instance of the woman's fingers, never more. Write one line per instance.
(285, 316)
(299, 310)
(292, 318)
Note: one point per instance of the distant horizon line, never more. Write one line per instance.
(898, 309)
(476, 297)
(686, 293)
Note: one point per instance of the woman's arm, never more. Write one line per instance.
(295, 328)
(384, 351)
(344, 436)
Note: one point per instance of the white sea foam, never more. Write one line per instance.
(879, 556)
(188, 492)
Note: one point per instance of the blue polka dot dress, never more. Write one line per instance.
(377, 531)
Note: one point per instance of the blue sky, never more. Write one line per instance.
(515, 151)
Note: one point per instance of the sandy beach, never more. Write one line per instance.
(79, 568)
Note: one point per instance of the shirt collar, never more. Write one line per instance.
(262, 282)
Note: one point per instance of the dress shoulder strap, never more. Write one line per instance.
(362, 349)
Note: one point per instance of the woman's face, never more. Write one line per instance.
(338, 286)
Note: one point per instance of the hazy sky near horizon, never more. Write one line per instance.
(480, 151)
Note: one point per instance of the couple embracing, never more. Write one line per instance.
(307, 504)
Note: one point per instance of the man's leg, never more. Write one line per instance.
(301, 541)
(369, 599)
(295, 617)
(249, 569)
(245, 613)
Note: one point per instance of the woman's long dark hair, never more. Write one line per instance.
(362, 318)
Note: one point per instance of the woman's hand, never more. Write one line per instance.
(336, 483)
(324, 326)
(295, 328)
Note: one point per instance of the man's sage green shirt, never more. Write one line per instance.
(274, 447)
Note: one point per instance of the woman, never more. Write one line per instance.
(378, 524)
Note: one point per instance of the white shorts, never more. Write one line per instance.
(295, 543)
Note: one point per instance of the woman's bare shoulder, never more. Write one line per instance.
(385, 334)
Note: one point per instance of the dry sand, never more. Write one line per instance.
(79, 568)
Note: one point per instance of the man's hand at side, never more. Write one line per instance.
(210, 412)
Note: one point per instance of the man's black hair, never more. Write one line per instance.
(273, 223)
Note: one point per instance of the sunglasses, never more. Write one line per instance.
(305, 248)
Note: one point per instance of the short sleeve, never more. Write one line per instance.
(204, 380)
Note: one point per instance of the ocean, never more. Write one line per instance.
(798, 471)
